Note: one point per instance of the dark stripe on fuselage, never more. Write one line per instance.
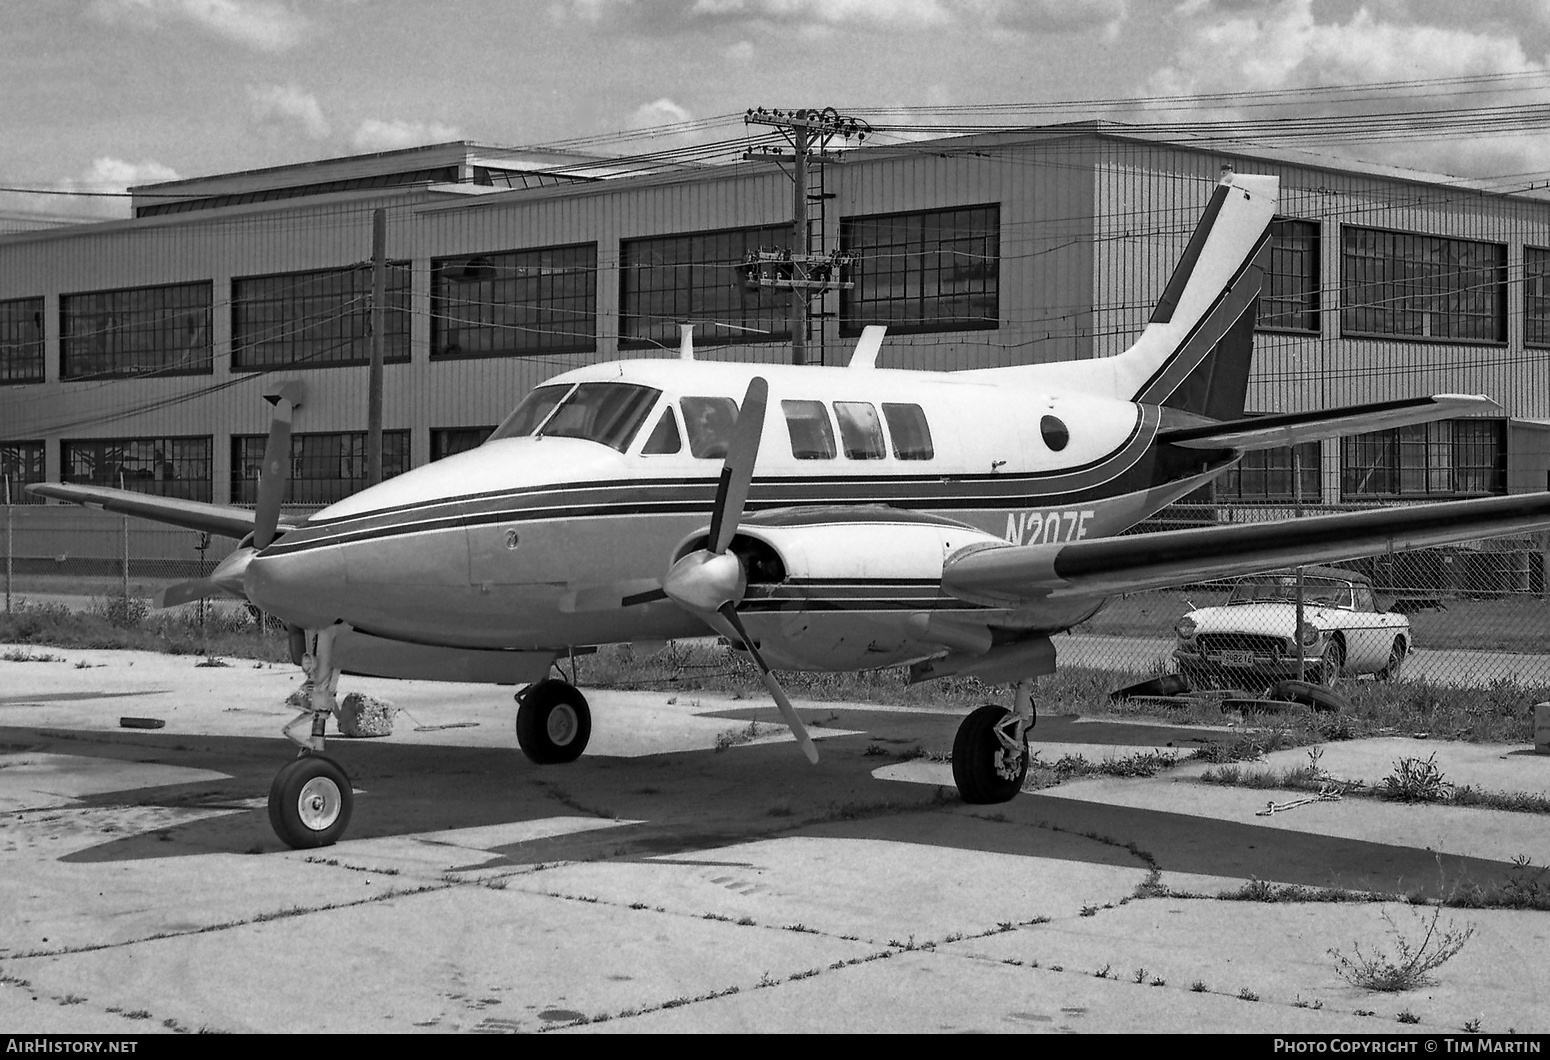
(1134, 468)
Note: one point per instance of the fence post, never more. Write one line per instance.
(1544, 563)
(8, 541)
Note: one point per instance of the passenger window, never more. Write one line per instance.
(665, 437)
(709, 421)
(861, 432)
(911, 433)
(808, 424)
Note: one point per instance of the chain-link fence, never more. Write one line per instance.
(1466, 615)
(1470, 615)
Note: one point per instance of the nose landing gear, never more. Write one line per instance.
(311, 799)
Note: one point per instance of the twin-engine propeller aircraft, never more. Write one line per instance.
(821, 518)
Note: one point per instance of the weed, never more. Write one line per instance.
(1140, 975)
(1409, 1017)
(1198, 986)
(1411, 963)
(1158, 980)
(1414, 780)
(1247, 995)
(1102, 973)
(1472, 1026)
(746, 921)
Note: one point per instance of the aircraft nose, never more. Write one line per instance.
(301, 588)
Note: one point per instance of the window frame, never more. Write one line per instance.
(1406, 458)
(73, 310)
(1296, 288)
(23, 448)
(1407, 286)
(760, 314)
(199, 488)
(906, 238)
(320, 305)
(549, 307)
(244, 487)
(22, 359)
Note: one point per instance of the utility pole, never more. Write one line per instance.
(806, 271)
(374, 383)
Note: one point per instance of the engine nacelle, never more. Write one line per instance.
(844, 589)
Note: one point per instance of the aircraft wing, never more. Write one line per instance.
(219, 519)
(1002, 575)
(1269, 432)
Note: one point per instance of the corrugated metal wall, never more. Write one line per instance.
(1090, 226)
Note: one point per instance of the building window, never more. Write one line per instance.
(21, 340)
(521, 301)
(1424, 287)
(316, 319)
(699, 279)
(1265, 476)
(1450, 458)
(136, 331)
(1536, 296)
(449, 441)
(324, 467)
(933, 271)
(1290, 300)
(21, 463)
(166, 467)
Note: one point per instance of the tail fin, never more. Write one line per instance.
(1195, 351)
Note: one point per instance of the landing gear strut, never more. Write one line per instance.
(311, 798)
(553, 722)
(990, 753)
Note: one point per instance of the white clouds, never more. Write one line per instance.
(286, 105)
(97, 193)
(1031, 16)
(374, 134)
(658, 112)
(1291, 44)
(263, 24)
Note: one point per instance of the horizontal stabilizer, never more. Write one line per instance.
(1014, 574)
(1293, 428)
(219, 519)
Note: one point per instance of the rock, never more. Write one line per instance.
(363, 715)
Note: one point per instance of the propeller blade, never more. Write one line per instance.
(737, 470)
(277, 464)
(225, 579)
(728, 615)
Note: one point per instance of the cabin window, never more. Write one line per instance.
(531, 412)
(1056, 435)
(665, 437)
(861, 432)
(812, 438)
(910, 431)
(709, 421)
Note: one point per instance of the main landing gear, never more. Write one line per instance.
(990, 753)
(553, 722)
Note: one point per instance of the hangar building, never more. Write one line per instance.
(135, 352)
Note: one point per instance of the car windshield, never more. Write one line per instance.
(1282, 589)
(609, 413)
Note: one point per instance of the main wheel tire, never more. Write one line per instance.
(554, 722)
(981, 765)
(1333, 661)
(1396, 661)
(310, 802)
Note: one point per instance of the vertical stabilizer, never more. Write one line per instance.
(1195, 352)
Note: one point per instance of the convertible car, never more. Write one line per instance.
(1253, 640)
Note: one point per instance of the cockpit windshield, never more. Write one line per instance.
(610, 413)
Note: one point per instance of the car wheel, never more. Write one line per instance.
(1396, 661)
(1329, 668)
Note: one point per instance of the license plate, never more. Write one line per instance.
(1233, 658)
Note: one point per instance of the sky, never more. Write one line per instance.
(105, 94)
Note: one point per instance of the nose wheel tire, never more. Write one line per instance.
(553, 722)
(985, 769)
(310, 802)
